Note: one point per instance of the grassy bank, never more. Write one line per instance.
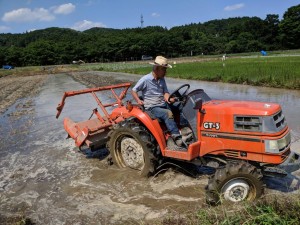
(280, 210)
(271, 212)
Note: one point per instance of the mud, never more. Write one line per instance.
(13, 88)
(90, 80)
(45, 178)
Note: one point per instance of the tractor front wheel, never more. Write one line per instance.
(237, 181)
(132, 146)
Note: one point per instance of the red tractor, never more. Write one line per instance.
(241, 140)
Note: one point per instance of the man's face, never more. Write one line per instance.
(161, 71)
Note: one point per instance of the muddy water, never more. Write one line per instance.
(43, 176)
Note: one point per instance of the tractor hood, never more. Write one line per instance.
(243, 107)
(242, 116)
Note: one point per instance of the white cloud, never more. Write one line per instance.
(38, 14)
(4, 29)
(64, 9)
(85, 24)
(234, 7)
(30, 30)
(155, 14)
(28, 15)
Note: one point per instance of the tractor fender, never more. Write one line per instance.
(152, 125)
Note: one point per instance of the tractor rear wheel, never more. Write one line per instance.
(131, 145)
(237, 181)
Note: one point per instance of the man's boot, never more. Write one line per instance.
(178, 139)
(187, 134)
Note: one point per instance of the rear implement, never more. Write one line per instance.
(93, 132)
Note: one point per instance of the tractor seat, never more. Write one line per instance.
(149, 113)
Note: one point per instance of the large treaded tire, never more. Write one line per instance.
(131, 145)
(237, 181)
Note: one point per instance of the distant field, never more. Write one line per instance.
(273, 71)
(278, 69)
(283, 72)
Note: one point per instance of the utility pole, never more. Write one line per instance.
(142, 21)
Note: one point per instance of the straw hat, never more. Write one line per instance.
(161, 61)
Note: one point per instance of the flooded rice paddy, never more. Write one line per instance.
(44, 177)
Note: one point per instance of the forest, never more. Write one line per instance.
(55, 46)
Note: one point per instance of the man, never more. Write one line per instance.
(155, 96)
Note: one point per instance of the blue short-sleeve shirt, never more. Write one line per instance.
(152, 90)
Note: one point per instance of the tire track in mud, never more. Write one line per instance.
(91, 79)
(14, 88)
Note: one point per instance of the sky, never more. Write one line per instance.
(19, 16)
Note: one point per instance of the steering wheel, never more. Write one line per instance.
(177, 95)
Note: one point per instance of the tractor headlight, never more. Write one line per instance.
(276, 146)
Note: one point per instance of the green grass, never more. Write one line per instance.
(283, 72)
(279, 71)
(280, 210)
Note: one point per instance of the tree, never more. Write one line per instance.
(232, 47)
(243, 40)
(12, 56)
(40, 53)
(290, 27)
(271, 32)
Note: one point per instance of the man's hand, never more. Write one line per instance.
(136, 98)
(172, 100)
(140, 102)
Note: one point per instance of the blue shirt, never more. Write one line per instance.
(152, 90)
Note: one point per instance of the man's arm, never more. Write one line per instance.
(166, 93)
(166, 96)
(136, 98)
